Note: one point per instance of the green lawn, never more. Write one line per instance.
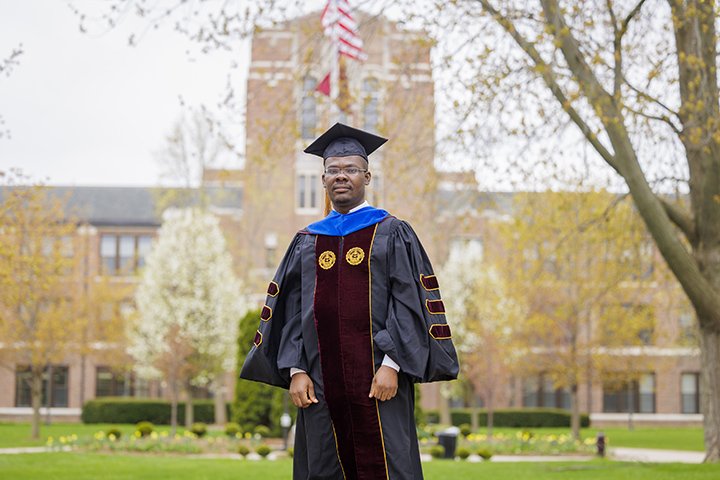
(14, 435)
(78, 466)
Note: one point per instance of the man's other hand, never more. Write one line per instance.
(384, 384)
(302, 390)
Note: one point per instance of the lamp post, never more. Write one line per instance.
(285, 422)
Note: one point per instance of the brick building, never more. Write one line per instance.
(278, 191)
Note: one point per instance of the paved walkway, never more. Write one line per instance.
(655, 456)
(622, 454)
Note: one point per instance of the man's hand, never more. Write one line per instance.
(384, 384)
(302, 390)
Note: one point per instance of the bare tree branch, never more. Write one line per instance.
(546, 72)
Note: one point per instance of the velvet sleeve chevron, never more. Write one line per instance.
(417, 335)
(277, 344)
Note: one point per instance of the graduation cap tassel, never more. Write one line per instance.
(327, 204)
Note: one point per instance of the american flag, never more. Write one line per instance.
(339, 23)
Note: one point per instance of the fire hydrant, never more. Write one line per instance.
(600, 442)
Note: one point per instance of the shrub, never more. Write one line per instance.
(437, 451)
(134, 410)
(199, 429)
(263, 450)
(115, 432)
(290, 452)
(145, 428)
(465, 429)
(513, 417)
(485, 453)
(243, 450)
(463, 453)
(262, 430)
(232, 429)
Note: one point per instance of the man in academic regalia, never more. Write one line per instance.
(353, 318)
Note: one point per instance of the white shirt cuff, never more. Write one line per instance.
(294, 370)
(389, 362)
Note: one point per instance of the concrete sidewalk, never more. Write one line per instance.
(18, 450)
(649, 455)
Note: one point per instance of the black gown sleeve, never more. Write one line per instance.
(417, 335)
(278, 341)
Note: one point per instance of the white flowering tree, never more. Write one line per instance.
(482, 314)
(188, 303)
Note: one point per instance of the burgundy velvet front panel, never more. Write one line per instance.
(342, 319)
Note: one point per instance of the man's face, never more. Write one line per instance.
(346, 191)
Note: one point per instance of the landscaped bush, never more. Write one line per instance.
(115, 432)
(484, 453)
(243, 450)
(513, 417)
(263, 450)
(463, 453)
(262, 430)
(437, 451)
(133, 410)
(199, 429)
(465, 429)
(145, 428)
(232, 429)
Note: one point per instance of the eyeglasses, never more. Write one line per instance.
(350, 171)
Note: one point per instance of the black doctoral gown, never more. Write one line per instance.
(336, 306)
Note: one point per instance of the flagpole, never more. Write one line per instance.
(335, 67)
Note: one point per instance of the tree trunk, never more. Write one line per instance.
(219, 402)
(574, 412)
(490, 415)
(709, 386)
(173, 407)
(83, 362)
(35, 400)
(189, 417)
(444, 408)
(48, 420)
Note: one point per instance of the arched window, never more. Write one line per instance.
(308, 108)
(371, 105)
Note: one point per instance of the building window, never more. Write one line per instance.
(308, 108)
(308, 192)
(54, 392)
(123, 254)
(109, 383)
(620, 397)
(371, 109)
(690, 392)
(540, 391)
(688, 329)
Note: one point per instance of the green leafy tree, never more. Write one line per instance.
(255, 403)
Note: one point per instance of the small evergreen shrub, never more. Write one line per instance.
(263, 450)
(145, 428)
(199, 429)
(114, 432)
(463, 453)
(232, 429)
(485, 453)
(262, 430)
(243, 450)
(437, 451)
(465, 429)
(290, 452)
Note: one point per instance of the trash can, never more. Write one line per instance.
(448, 440)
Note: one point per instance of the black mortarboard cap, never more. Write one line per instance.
(342, 141)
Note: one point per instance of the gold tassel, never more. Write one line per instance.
(327, 204)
